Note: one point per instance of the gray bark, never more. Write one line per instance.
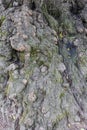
(43, 65)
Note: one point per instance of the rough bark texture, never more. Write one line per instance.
(43, 65)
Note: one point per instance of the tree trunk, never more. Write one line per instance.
(43, 65)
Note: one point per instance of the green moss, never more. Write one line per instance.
(7, 90)
(57, 78)
(10, 76)
(23, 116)
(2, 33)
(53, 23)
(40, 56)
(62, 95)
(44, 8)
(50, 8)
(1, 78)
(2, 18)
(11, 79)
(28, 71)
(22, 57)
(83, 60)
(34, 53)
(39, 62)
(60, 117)
(26, 106)
(67, 24)
(50, 15)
